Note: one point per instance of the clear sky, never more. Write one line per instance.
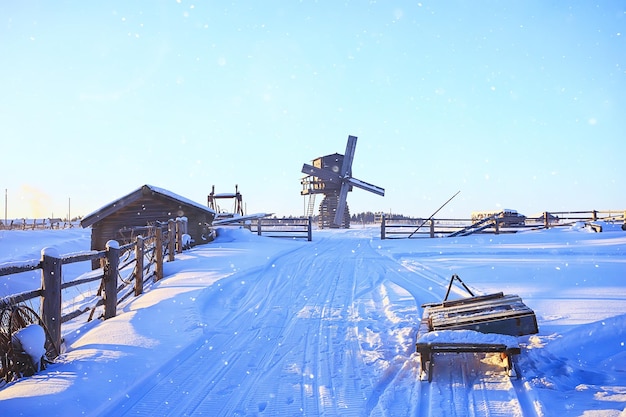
(517, 104)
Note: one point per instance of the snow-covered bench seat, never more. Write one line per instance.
(462, 341)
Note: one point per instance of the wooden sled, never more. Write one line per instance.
(477, 324)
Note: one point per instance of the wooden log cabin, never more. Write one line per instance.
(121, 219)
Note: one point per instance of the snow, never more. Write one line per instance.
(468, 337)
(161, 191)
(251, 325)
(32, 340)
(50, 251)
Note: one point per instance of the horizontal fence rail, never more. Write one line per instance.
(124, 271)
(401, 227)
(286, 227)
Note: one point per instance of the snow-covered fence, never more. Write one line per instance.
(122, 265)
(34, 224)
(392, 227)
(292, 227)
(558, 218)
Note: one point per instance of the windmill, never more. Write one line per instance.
(331, 175)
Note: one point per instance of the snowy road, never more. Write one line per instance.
(327, 328)
(257, 326)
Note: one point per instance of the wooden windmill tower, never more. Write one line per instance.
(331, 175)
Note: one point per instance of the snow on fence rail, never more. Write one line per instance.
(116, 260)
(290, 227)
(393, 227)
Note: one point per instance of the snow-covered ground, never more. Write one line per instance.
(251, 325)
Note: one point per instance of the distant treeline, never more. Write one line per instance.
(369, 217)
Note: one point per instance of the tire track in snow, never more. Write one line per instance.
(468, 387)
(231, 385)
(189, 383)
(473, 385)
(319, 330)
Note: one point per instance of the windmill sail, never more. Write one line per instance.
(367, 186)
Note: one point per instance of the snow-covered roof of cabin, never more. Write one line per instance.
(133, 196)
(174, 196)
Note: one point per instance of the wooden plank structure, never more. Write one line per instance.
(477, 324)
(493, 313)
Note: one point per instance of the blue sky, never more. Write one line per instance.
(517, 104)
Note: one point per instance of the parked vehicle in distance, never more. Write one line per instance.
(506, 217)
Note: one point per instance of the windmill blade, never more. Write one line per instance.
(366, 186)
(341, 204)
(348, 157)
(321, 173)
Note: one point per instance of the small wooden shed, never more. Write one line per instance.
(145, 207)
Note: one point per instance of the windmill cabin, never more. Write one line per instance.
(144, 207)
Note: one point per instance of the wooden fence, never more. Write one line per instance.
(146, 253)
(417, 227)
(35, 224)
(292, 227)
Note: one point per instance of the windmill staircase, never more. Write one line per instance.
(310, 211)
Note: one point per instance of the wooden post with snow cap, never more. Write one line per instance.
(139, 254)
(179, 235)
(50, 308)
(382, 227)
(171, 239)
(110, 278)
(158, 247)
(432, 228)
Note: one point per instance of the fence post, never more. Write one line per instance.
(258, 227)
(432, 228)
(139, 247)
(594, 215)
(546, 219)
(171, 240)
(184, 225)
(158, 247)
(50, 309)
(496, 224)
(110, 278)
(382, 227)
(179, 235)
(309, 229)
